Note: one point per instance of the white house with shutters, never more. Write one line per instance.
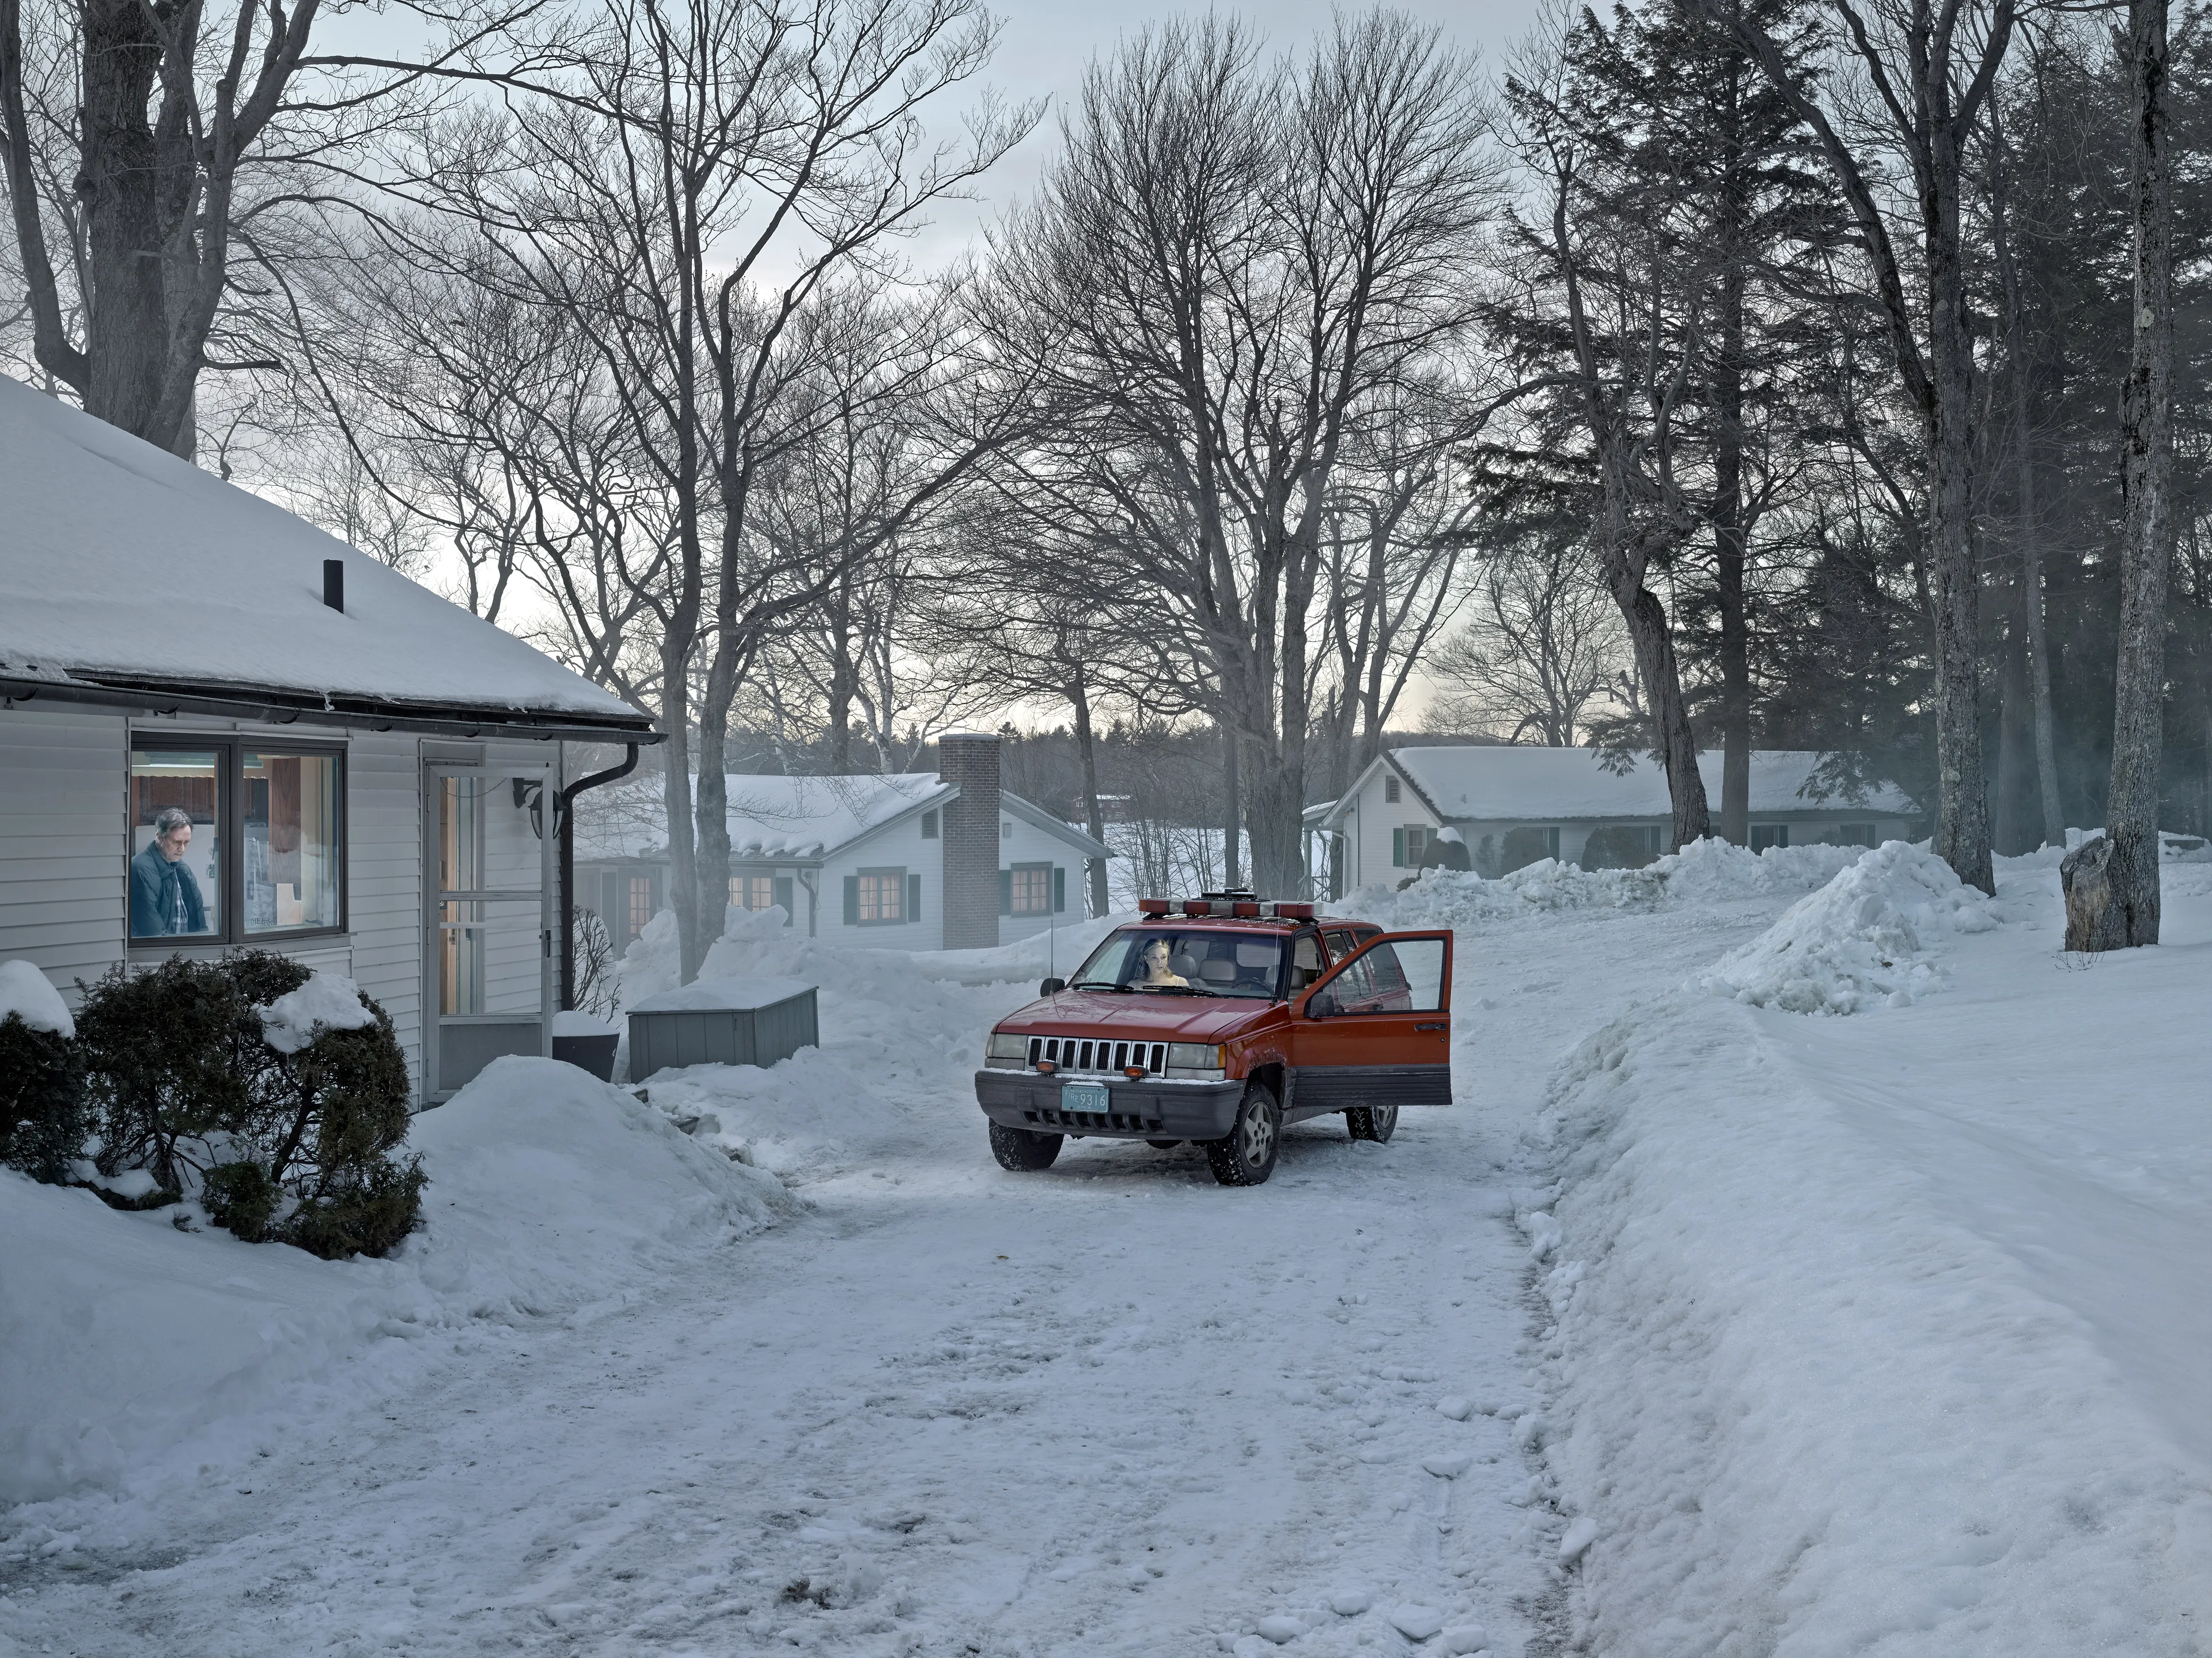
(1511, 806)
(221, 728)
(860, 858)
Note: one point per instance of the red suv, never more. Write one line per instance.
(1217, 1020)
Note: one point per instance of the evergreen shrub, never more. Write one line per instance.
(42, 1116)
(295, 1148)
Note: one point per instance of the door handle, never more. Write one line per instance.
(1436, 1025)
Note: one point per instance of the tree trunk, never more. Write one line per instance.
(1670, 715)
(118, 189)
(2146, 443)
(1231, 865)
(1962, 814)
(2031, 620)
(2016, 818)
(1730, 532)
(2085, 878)
(1094, 812)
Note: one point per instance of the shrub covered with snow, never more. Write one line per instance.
(275, 1097)
(42, 1120)
(1872, 934)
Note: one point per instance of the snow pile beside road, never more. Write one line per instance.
(125, 1341)
(897, 1028)
(1808, 1404)
(1704, 871)
(551, 1191)
(1871, 935)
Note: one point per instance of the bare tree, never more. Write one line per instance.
(1544, 641)
(1233, 265)
(1930, 66)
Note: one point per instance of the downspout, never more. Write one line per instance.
(566, 813)
(811, 880)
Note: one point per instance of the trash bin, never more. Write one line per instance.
(587, 1041)
(722, 1022)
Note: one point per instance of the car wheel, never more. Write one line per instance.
(1164, 1145)
(1246, 1154)
(1022, 1152)
(1372, 1122)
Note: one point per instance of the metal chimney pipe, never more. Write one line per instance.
(334, 584)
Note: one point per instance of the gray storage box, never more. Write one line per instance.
(722, 1022)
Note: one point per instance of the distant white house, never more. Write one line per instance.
(348, 768)
(1512, 805)
(871, 859)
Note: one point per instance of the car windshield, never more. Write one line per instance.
(1173, 962)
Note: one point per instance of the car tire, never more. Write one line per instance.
(1246, 1154)
(1022, 1152)
(1164, 1145)
(1372, 1122)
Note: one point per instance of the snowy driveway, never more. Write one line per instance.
(1109, 1409)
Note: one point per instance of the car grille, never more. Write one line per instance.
(1090, 1054)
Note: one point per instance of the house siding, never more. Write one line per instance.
(65, 848)
(64, 841)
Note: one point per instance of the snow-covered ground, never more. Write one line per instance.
(1742, 1330)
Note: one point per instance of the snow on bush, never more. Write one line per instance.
(31, 996)
(1873, 934)
(327, 1001)
(133, 1351)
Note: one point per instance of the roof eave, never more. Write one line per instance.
(275, 706)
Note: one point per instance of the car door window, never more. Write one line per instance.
(1305, 960)
(1404, 976)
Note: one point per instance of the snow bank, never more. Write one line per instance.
(30, 995)
(1704, 871)
(1873, 934)
(129, 1347)
(896, 1026)
(327, 1001)
(710, 994)
(1886, 1336)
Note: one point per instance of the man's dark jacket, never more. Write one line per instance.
(154, 883)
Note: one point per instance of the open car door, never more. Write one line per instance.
(1376, 1030)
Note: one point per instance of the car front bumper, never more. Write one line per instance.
(1148, 1109)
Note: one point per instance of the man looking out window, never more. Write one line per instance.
(165, 898)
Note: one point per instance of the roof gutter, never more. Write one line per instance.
(282, 708)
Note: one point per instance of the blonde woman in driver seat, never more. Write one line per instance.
(1155, 956)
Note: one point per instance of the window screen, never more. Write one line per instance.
(292, 839)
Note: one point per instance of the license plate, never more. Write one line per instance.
(1083, 1096)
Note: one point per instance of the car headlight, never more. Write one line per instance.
(1195, 1056)
(1006, 1045)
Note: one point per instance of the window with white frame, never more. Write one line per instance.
(882, 896)
(1032, 889)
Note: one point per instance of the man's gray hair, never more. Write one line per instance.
(169, 820)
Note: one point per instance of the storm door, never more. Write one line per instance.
(488, 883)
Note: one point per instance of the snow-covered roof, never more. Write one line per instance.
(789, 819)
(1479, 784)
(123, 566)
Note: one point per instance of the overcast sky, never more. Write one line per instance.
(1044, 45)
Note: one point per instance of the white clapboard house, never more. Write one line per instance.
(908, 861)
(220, 727)
(1512, 805)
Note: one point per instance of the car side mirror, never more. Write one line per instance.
(1052, 986)
(1321, 1003)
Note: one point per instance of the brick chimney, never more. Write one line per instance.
(970, 759)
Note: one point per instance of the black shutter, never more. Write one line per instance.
(1005, 892)
(852, 901)
(783, 896)
(1059, 889)
(914, 897)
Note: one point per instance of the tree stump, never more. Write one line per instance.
(2093, 922)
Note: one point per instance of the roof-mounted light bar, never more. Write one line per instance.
(1243, 908)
